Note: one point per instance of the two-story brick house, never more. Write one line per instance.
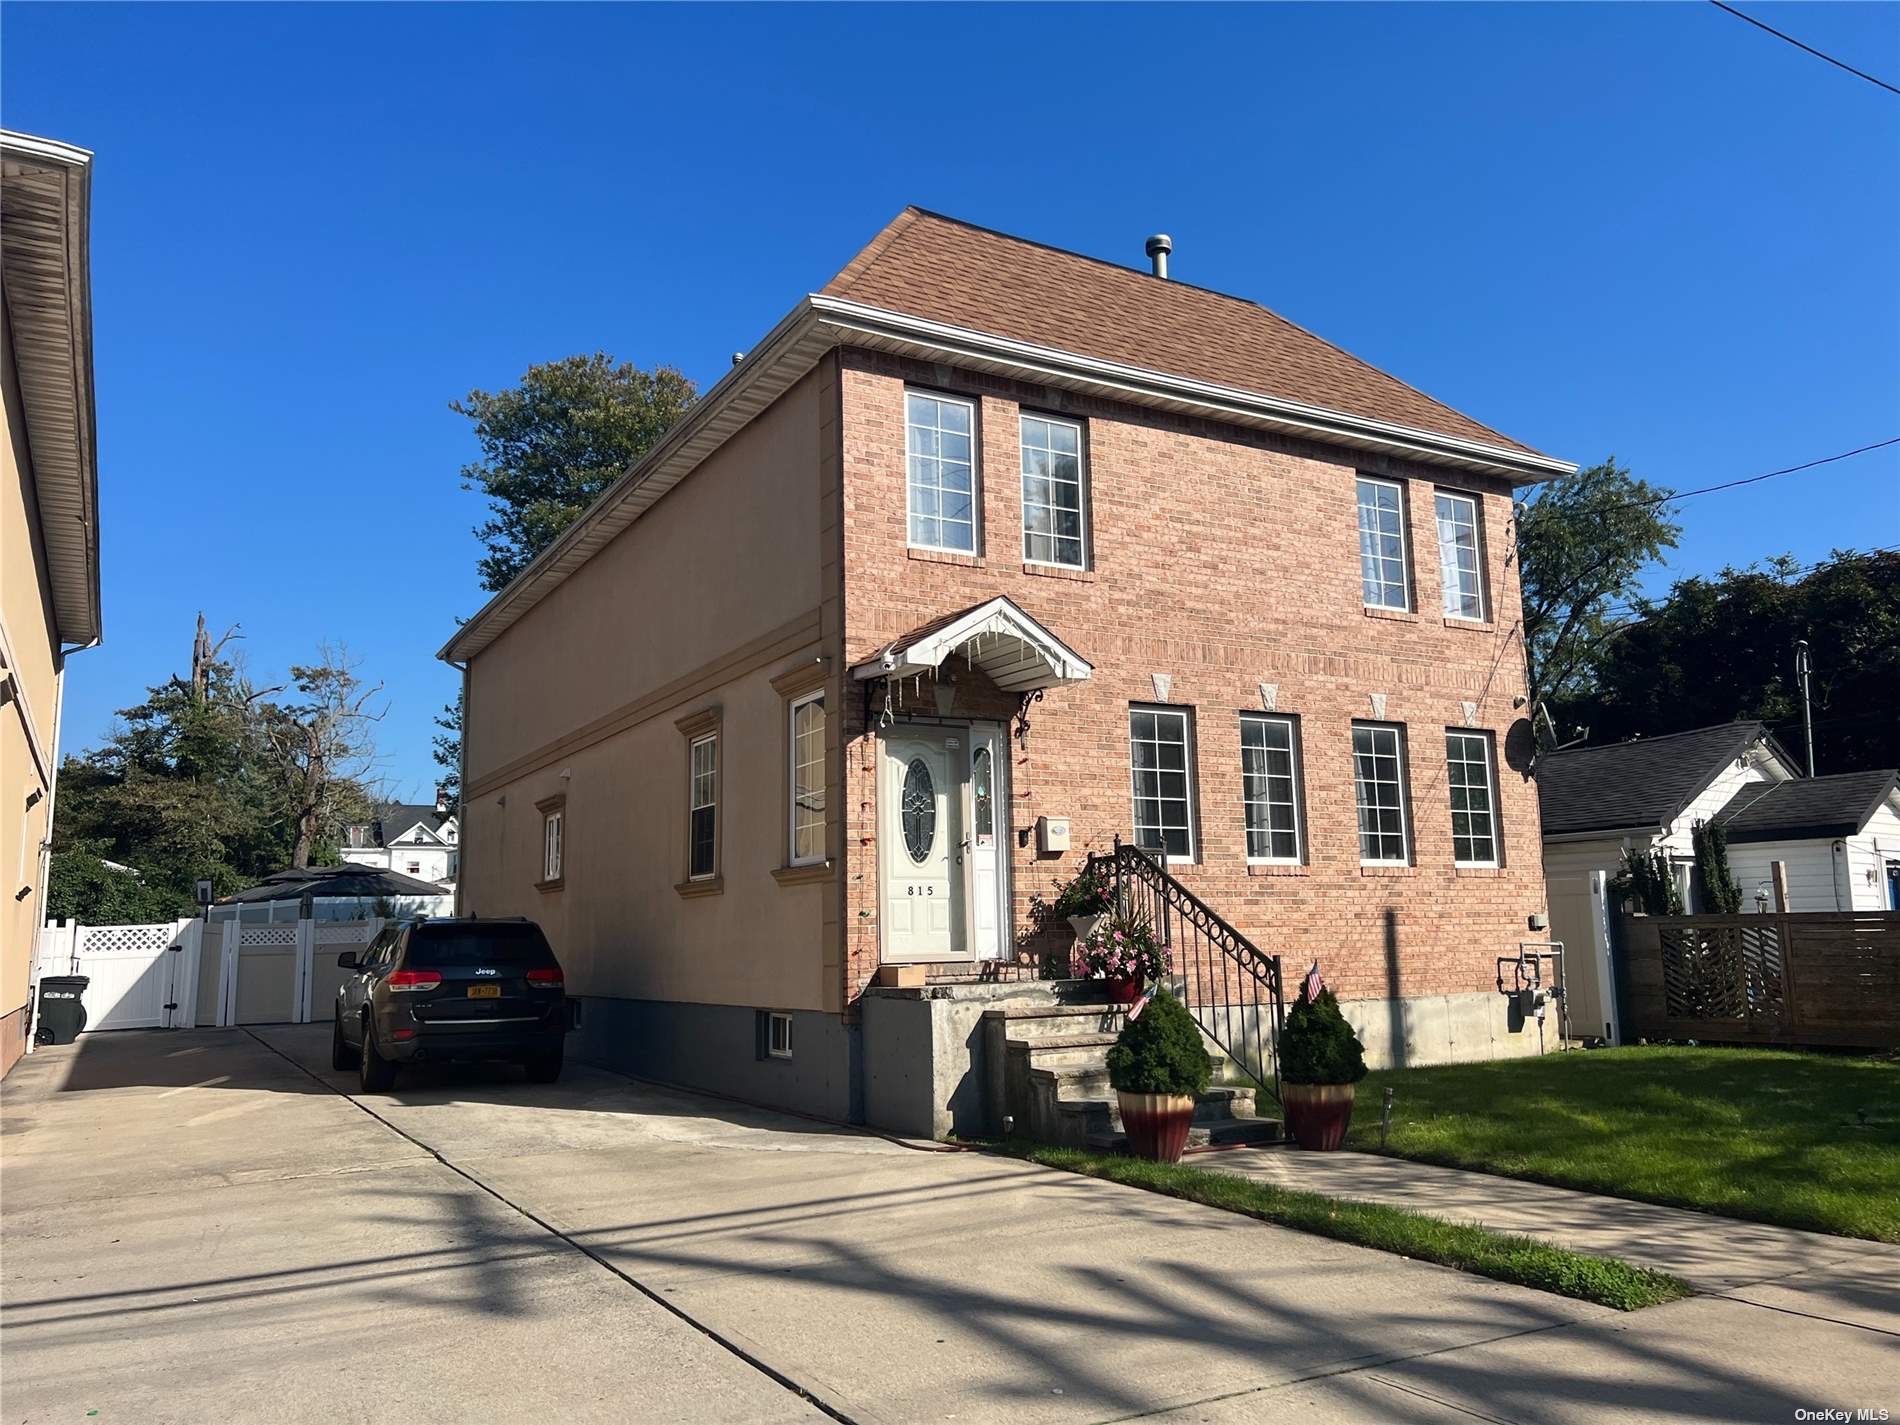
(985, 533)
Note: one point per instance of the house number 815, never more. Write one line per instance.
(920, 890)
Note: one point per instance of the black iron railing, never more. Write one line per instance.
(1230, 985)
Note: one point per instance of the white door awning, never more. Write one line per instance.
(1018, 654)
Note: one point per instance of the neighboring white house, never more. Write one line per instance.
(1838, 836)
(412, 840)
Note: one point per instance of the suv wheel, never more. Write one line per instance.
(341, 1055)
(544, 1068)
(376, 1073)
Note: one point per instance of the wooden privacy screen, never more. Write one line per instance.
(1821, 977)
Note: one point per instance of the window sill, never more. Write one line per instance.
(1471, 625)
(1397, 615)
(1058, 571)
(944, 556)
(1393, 869)
(705, 886)
(1482, 873)
(802, 875)
(1277, 868)
(553, 885)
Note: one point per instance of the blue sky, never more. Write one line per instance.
(1651, 230)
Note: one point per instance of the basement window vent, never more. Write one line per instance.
(778, 1036)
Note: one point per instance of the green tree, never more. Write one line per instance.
(1723, 647)
(447, 748)
(1582, 542)
(551, 444)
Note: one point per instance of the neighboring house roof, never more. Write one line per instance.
(1839, 805)
(955, 272)
(293, 884)
(1645, 782)
(46, 272)
(938, 290)
(400, 819)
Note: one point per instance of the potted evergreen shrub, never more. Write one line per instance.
(1086, 900)
(1320, 1061)
(1158, 1068)
(1122, 952)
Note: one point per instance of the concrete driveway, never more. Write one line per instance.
(205, 1226)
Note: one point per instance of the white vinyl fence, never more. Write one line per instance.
(182, 973)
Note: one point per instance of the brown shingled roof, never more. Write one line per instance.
(947, 271)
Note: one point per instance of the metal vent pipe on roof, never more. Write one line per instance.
(1159, 246)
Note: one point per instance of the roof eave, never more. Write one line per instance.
(53, 352)
(819, 323)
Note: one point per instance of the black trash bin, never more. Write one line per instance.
(62, 1012)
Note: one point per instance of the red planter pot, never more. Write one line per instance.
(1317, 1115)
(1123, 991)
(1157, 1124)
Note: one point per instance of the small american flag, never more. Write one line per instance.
(1314, 984)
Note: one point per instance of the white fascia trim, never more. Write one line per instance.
(1613, 833)
(31, 146)
(1144, 381)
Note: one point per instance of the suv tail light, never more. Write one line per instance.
(409, 981)
(546, 979)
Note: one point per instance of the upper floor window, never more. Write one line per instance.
(1382, 569)
(1378, 782)
(1052, 492)
(1269, 788)
(1159, 761)
(808, 779)
(1474, 817)
(942, 461)
(1460, 571)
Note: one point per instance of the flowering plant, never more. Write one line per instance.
(1092, 892)
(1124, 948)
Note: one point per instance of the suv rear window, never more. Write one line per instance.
(461, 946)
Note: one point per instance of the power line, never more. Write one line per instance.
(1838, 64)
(1752, 479)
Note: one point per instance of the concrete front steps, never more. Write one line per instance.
(1053, 1062)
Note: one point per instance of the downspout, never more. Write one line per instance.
(45, 868)
(1839, 869)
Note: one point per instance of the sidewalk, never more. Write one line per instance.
(1716, 1255)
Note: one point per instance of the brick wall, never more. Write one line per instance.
(1223, 559)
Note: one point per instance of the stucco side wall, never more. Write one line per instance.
(1222, 560)
(33, 653)
(696, 608)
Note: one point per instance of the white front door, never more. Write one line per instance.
(921, 842)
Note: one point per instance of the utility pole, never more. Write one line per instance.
(1803, 665)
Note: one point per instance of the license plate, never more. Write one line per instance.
(484, 991)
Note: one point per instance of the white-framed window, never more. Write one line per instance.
(703, 809)
(807, 773)
(553, 840)
(1460, 564)
(1053, 480)
(1160, 755)
(940, 434)
(1474, 809)
(415, 868)
(1270, 788)
(1378, 783)
(1382, 568)
(778, 1035)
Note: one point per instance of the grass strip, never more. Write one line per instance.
(1502, 1256)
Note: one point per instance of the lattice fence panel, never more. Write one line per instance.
(1701, 973)
(125, 939)
(255, 936)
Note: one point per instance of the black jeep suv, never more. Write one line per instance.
(451, 989)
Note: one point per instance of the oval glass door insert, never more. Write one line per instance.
(920, 810)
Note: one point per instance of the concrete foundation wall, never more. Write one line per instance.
(716, 1047)
(1443, 1029)
(925, 1059)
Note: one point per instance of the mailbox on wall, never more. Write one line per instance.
(1052, 833)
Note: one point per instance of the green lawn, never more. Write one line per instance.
(1804, 1140)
